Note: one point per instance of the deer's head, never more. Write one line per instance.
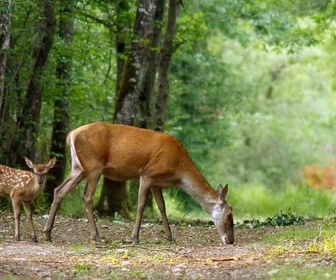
(222, 216)
(40, 170)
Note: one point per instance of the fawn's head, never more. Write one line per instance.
(222, 216)
(40, 170)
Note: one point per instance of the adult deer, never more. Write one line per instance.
(122, 153)
(23, 187)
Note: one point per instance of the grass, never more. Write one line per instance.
(299, 271)
(314, 246)
(326, 243)
(249, 202)
(259, 201)
(297, 233)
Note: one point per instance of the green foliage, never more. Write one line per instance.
(5, 204)
(255, 201)
(256, 206)
(191, 30)
(286, 122)
(249, 117)
(72, 204)
(278, 220)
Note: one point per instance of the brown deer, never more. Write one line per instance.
(122, 153)
(23, 187)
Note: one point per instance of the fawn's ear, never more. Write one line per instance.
(223, 191)
(29, 163)
(51, 163)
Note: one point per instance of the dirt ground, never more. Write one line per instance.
(197, 253)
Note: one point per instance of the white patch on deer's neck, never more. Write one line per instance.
(216, 212)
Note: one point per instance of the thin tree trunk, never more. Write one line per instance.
(28, 120)
(113, 197)
(120, 43)
(167, 51)
(145, 118)
(5, 26)
(61, 106)
(5, 23)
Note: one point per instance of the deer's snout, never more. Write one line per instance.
(40, 178)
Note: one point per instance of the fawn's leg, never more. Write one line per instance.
(29, 217)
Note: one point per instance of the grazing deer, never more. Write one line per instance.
(122, 153)
(23, 187)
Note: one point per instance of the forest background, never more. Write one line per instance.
(249, 91)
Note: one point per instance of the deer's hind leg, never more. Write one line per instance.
(75, 177)
(90, 189)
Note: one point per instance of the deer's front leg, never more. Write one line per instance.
(29, 216)
(158, 196)
(16, 209)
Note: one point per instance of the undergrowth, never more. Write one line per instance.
(326, 241)
(280, 219)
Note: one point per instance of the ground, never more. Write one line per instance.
(197, 253)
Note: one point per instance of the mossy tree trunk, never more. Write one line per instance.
(131, 84)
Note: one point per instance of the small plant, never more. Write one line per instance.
(278, 220)
(83, 267)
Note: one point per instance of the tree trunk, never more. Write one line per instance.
(61, 106)
(120, 43)
(113, 197)
(167, 51)
(145, 117)
(131, 85)
(136, 65)
(5, 22)
(146, 102)
(28, 119)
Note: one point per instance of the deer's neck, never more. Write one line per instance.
(196, 186)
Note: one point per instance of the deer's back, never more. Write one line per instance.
(127, 152)
(11, 179)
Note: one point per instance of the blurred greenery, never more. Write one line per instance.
(259, 202)
(251, 98)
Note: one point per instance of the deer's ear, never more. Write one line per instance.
(223, 191)
(51, 163)
(29, 163)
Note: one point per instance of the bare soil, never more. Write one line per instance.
(197, 253)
